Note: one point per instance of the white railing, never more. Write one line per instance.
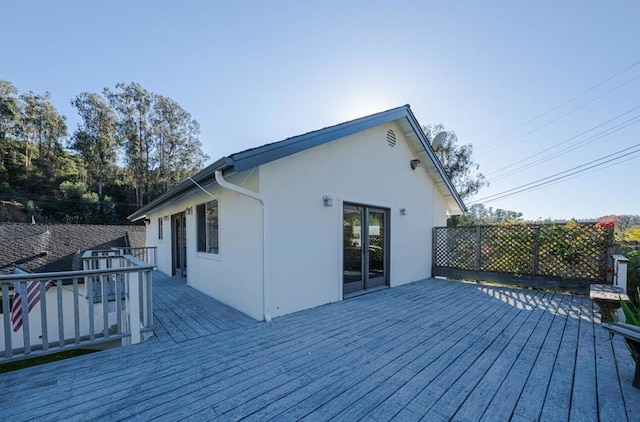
(109, 300)
(146, 254)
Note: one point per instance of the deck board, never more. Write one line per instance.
(433, 350)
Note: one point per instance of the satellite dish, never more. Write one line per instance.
(438, 140)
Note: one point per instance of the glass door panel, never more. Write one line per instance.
(376, 226)
(352, 225)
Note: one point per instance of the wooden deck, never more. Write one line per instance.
(431, 350)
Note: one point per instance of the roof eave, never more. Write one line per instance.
(183, 188)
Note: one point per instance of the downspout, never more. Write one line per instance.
(266, 285)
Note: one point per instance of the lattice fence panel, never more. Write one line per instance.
(455, 247)
(573, 251)
(507, 249)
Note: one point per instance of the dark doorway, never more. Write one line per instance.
(179, 244)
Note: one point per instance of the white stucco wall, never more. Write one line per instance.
(306, 243)
(234, 276)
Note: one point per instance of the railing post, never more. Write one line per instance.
(434, 239)
(134, 306)
(8, 347)
(620, 271)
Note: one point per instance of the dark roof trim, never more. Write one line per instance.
(254, 157)
(184, 187)
(257, 156)
(436, 161)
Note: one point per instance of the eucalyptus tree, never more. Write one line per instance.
(457, 161)
(178, 150)
(10, 109)
(133, 107)
(95, 138)
(43, 125)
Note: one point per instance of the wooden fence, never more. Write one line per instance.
(560, 257)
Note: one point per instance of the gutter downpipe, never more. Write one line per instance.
(266, 284)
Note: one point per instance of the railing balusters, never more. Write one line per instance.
(118, 290)
(60, 313)
(106, 281)
(89, 284)
(76, 312)
(6, 316)
(25, 317)
(43, 314)
(108, 268)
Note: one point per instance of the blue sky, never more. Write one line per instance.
(256, 72)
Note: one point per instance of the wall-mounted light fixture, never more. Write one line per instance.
(165, 217)
(188, 210)
(147, 221)
(327, 200)
(415, 163)
(403, 211)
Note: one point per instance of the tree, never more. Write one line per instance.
(178, 149)
(132, 104)
(457, 161)
(42, 124)
(95, 139)
(159, 137)
(478, 214)
(10, 109)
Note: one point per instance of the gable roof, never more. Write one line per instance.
(255, 157)
(45, 248)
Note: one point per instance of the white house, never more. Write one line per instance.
(308, 220)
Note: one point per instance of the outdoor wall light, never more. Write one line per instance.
(403, 211)
(188, 210)
(415, 163)
(165, 217)
(328, 201)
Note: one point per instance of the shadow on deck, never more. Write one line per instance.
(434, 349)
(183, 313)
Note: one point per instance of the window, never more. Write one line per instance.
(207, 218)
(160, 228)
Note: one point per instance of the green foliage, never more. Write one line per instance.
(457, 161)
(633, 274)
(72, 190)
(478, 215)
(632, 317)
(155, 139)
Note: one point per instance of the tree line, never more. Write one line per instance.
(130, 146)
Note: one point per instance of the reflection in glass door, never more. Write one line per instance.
(376, 247)
(365, 251)
(352, 254)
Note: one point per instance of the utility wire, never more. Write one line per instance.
(571, 148)
(560, 105)
(561, 143)
(564, 174)
(559, 117)
(564, 180)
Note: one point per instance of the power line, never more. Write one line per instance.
(564, 179)
(573, 147)
(563, 142)
(560, 117)
(561, 104)
(563, 174)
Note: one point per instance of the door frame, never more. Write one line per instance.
(366, 283)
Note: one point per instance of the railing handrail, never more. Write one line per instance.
(12, 278)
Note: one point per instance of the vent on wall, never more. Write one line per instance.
(391, 138)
